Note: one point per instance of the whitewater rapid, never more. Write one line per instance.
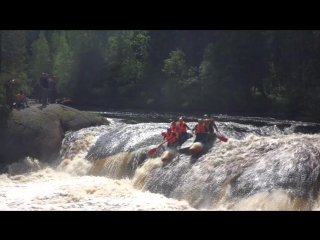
(30, 185)
(107, 168)
(52, 190)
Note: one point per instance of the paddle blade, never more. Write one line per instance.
(223, 139)
(152, 151)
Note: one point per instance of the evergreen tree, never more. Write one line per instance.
(13, 60)
(62, 63)
(41, 58)
(126, 58)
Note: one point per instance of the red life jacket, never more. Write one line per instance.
(174, 128)
(170, 137)
(200, 128)
(182, 128)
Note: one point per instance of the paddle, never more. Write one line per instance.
(153, 150)
(222, 138)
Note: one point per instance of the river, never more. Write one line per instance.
(267, 164)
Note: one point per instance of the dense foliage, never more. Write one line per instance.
(186, 70)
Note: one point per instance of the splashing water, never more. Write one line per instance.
(269, 167)
(49, 189)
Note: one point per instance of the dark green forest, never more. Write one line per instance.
(217, 71)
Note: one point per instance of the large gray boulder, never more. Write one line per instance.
(38, 131)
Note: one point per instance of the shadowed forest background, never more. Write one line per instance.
(216, 71)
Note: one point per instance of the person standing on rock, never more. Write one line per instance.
(44, 83)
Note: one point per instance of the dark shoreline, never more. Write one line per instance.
(158, 113)
(275, 116)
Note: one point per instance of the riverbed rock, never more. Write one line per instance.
(38, 131)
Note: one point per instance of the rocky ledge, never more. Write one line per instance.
(38, 131)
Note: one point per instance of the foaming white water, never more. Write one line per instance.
(249, 172)
(75, 147)
(49, 189)
(32, 185)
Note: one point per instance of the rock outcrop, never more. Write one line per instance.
(38, 131)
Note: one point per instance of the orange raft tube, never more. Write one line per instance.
(168, 155)
(196, 148)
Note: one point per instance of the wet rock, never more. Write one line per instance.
(38, 131)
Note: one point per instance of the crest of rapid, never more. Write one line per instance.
(267, 164)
